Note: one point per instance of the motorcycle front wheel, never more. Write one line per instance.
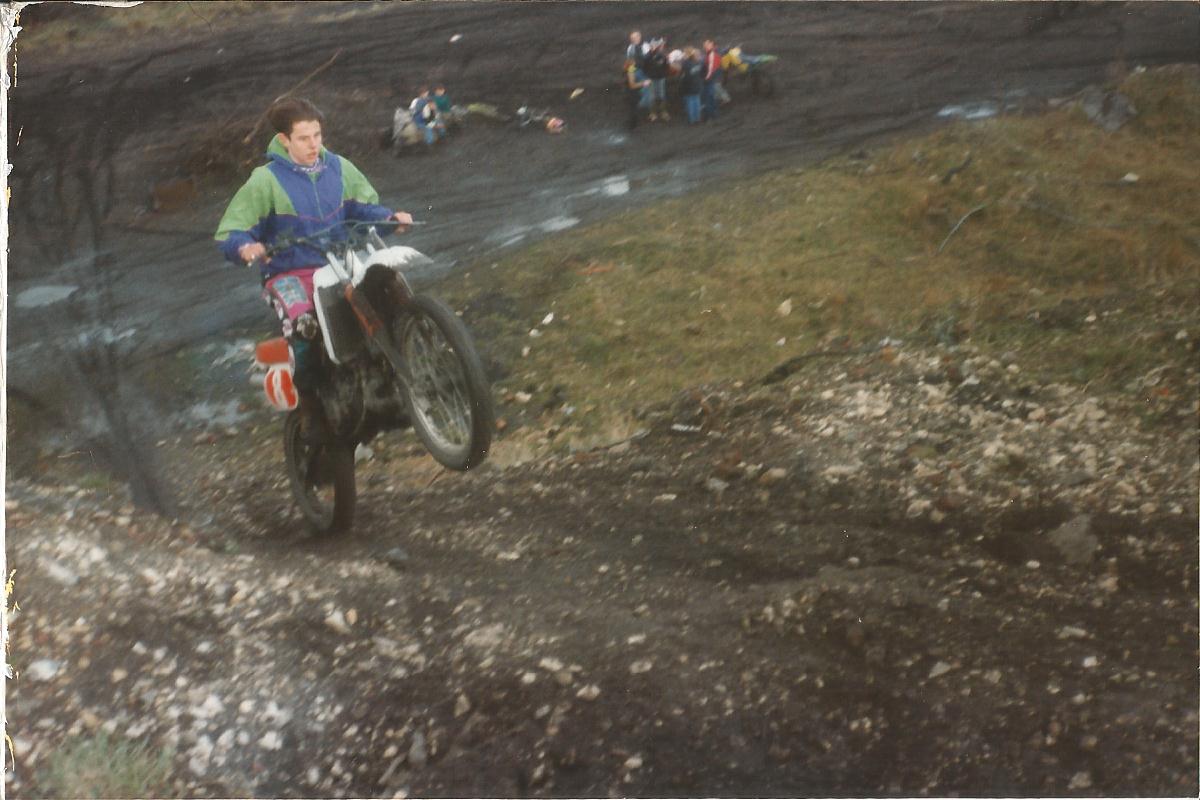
(762, 84)
(449, 396)
(322, 479)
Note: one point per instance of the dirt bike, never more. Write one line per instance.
(738, 64)
(385, 358)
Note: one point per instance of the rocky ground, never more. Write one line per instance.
(900, 572)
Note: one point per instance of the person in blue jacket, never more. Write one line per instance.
(426, 117)
(303, 189)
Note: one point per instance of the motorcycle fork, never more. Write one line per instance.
(374, 326)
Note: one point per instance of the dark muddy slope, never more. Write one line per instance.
(95, 137)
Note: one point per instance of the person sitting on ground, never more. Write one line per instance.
(441, 99)
(448, 114)
(303, 189)
(691, 83)
(424, 111)
(657, 69)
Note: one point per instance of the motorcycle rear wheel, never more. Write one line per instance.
(761, 83)
(449, 396)
(322, 479)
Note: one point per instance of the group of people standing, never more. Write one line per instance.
(647, 67)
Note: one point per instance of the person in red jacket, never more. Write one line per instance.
(712, 76)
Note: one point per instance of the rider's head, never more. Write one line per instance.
(297, 124)
(635, 37)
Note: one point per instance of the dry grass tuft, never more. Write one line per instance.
(101, 766)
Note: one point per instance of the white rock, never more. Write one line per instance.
(939, 669)
(1091, 662)
(363, 453)
(784, 308)
(640, 666)
(665, 498)
(42, 670)
(550, 664)
(337, 621)
(773, 475)
(918, 507)
(487, 637)
(211, 706)
(271, 741)
(277, 716)
(60, 574)
(1080, 780)
(462, 705)
(716, 486)
(523, 397)
(589, 692)
(546, 320)
(1071, 632)
(634, 762)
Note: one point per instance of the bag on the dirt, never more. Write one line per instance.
(404, 129)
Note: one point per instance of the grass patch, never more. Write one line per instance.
(62, 26)
(104, 766)
(1068, 266)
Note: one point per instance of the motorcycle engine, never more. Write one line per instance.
(342, 397)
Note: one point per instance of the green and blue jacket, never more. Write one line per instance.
(282, 199)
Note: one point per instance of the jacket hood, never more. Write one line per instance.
(277, 152)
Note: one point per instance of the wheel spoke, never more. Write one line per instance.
(439, 393)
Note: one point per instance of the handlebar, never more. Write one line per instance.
(358, 233)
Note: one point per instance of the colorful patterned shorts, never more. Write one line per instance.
(290, 294)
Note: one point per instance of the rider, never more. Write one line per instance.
(303, 189)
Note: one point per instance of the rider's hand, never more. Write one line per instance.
(403, 219)
(252, 252)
